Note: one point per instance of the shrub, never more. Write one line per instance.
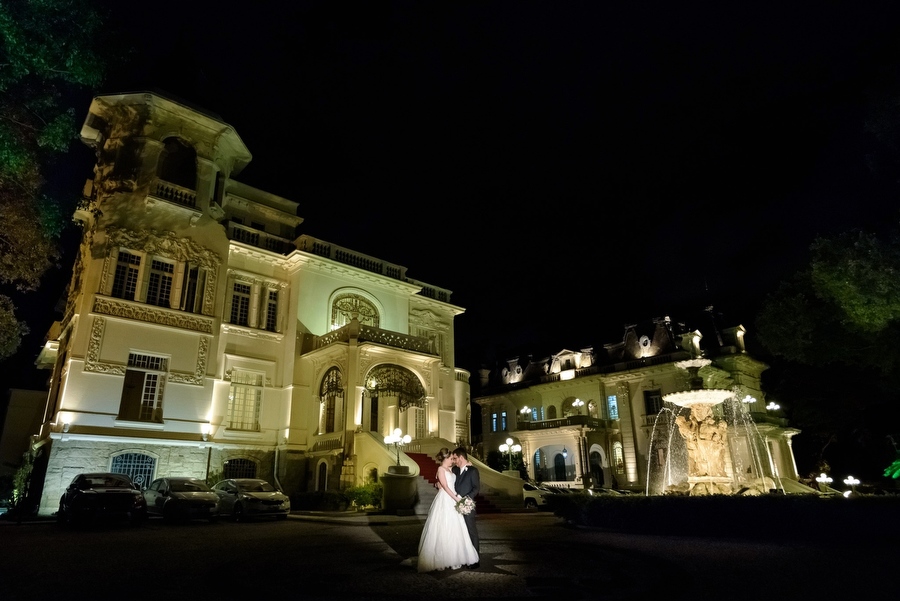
(367, 495)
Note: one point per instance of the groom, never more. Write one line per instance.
(468, 483)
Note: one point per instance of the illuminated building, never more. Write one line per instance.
(202, 337)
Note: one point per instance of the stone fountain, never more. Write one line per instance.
(719, 458)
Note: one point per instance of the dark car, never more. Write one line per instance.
(181, 498)
(246, 498)
(101, 496)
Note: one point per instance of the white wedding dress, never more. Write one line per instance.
(445, 541)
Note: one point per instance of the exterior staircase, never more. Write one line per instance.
(484, 503)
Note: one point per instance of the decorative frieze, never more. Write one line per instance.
(152, 314)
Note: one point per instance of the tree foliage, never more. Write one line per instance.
(835, 327)
(49, 53)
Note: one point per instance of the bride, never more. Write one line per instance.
(445, 541)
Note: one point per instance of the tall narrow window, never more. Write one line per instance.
(272, 311)
(126, 277)
(503, 421)
(330, 393)
(192, 289)
(240, 304)
(493, 422)
(534, 414)
(244, 400)
(618, 458)
(159, 286)
(142, 393)
(612, 406)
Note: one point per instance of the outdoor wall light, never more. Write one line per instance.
(565, 453)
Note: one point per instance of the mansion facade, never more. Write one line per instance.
(592, 418)
(202, 337)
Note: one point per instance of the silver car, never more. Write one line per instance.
(181, 498)
(246, 498)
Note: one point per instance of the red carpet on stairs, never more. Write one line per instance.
(428, 470)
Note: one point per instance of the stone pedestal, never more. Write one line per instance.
(399, 494)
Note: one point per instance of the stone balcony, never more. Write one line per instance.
(369, 334)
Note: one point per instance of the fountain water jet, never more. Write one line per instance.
(705, 453)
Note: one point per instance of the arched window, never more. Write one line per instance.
(178, 164)
(348, 306)
(618, 458)
(138, 466)
(551, 412)
(239, 468)
(331, 395)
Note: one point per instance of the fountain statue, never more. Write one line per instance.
(708, 456)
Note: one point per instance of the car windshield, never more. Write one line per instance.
(188, 486)
(258, 486)
(105, 482)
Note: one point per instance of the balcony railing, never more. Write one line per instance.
(572, 420)
(367, 263)
(173, 193)
(258, 238)
(379, 336)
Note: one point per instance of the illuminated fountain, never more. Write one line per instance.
(705, 443)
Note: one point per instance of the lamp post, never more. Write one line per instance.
(824, 480)
(851, 482)
(509, 447)
(525, 412)
(578, 404)
(773, 406)
(397, 439)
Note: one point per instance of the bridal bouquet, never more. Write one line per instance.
(465, 506)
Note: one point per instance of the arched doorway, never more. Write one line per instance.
(559, 468)
(322, 479)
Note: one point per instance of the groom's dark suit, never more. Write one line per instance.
(468, 484)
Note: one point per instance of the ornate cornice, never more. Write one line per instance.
(151, 314)
(230, 328)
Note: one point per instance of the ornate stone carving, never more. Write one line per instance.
(92, 361)
(151, 314)
(199, 374)
(164, 244)
(228, 328)
(427, 319)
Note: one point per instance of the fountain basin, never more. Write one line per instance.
(688, 398)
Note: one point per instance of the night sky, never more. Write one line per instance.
(565, 168)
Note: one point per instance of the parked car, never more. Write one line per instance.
(101, 496)
(535, 496)
(246, 498)
(182, 498)
(599, 490)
